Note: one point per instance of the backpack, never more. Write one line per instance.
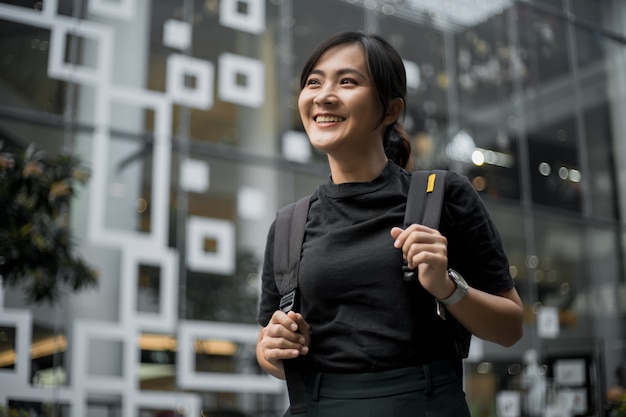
(424, 202)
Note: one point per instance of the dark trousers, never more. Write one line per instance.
(431, 390)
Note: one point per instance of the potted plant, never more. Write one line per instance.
(36, 243)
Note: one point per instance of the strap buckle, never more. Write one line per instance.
(409, 274)
(288, 301)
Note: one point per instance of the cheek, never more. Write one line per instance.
(302, 105)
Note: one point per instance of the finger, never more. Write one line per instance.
(278, 347)
(298, 319)
(280, 332)
(431, 249)
(395, 232)
(303, 328)
(282, 318)
(279, 354)
(401, 236)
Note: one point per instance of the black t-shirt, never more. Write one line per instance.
(363, 316)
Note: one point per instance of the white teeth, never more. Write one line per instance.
(328, 119)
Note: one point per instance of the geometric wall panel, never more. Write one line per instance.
(220, 258)
(245, 15)
(241, 80)
(184, 70)
(103, 355)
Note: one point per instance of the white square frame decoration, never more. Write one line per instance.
(188, 378)
(22, 321)
(88, 330)
(98, 232)
(99, 74)
(251, 203)
(177, 34)
(199, 96)
(296, 147)
(413, 78)
(222, 261)
(230, 67)
(120, 9)
(253, 21)
(195, 175)
(167, 259)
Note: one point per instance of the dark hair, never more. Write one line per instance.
(388, 75)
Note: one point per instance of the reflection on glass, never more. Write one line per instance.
(129, 187)
(7, 347)
(157, 370)
(149, 289)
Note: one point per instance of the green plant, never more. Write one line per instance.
(35, 239)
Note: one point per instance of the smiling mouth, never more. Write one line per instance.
(329, 119)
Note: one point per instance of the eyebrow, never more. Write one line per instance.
(342, 71)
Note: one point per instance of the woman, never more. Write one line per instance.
(367, 342)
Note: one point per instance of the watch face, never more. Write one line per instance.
(458, 279)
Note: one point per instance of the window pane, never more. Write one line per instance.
(485, 143)
(27, 87)
(598, 69)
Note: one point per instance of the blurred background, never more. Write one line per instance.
(184, 112)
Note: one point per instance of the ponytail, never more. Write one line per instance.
(398, 145)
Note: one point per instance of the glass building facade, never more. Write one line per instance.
(185, 113)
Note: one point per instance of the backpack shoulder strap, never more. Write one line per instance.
(423, 205)
(425, 198)
(288, 237)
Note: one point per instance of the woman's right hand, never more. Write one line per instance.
(286, 336)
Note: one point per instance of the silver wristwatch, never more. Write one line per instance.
(461, 289)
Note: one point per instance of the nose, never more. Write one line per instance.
(325, 95)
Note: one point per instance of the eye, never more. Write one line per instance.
(347, 81)
(312, 81)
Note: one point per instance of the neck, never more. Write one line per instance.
(357, 169)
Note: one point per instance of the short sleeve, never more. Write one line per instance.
(475, 247)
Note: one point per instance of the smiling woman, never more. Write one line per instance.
(355, 338)
(341, 113)
(347, 98)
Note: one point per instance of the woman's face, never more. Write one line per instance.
(338, 103)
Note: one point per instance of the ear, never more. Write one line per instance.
(396, 106)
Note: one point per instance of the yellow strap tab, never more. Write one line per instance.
(431, 183)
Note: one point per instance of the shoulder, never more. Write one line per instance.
(459, 190)
(459, 183)
(462, 205)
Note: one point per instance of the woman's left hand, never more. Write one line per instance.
(427, 250)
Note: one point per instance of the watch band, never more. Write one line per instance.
(459, 292)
